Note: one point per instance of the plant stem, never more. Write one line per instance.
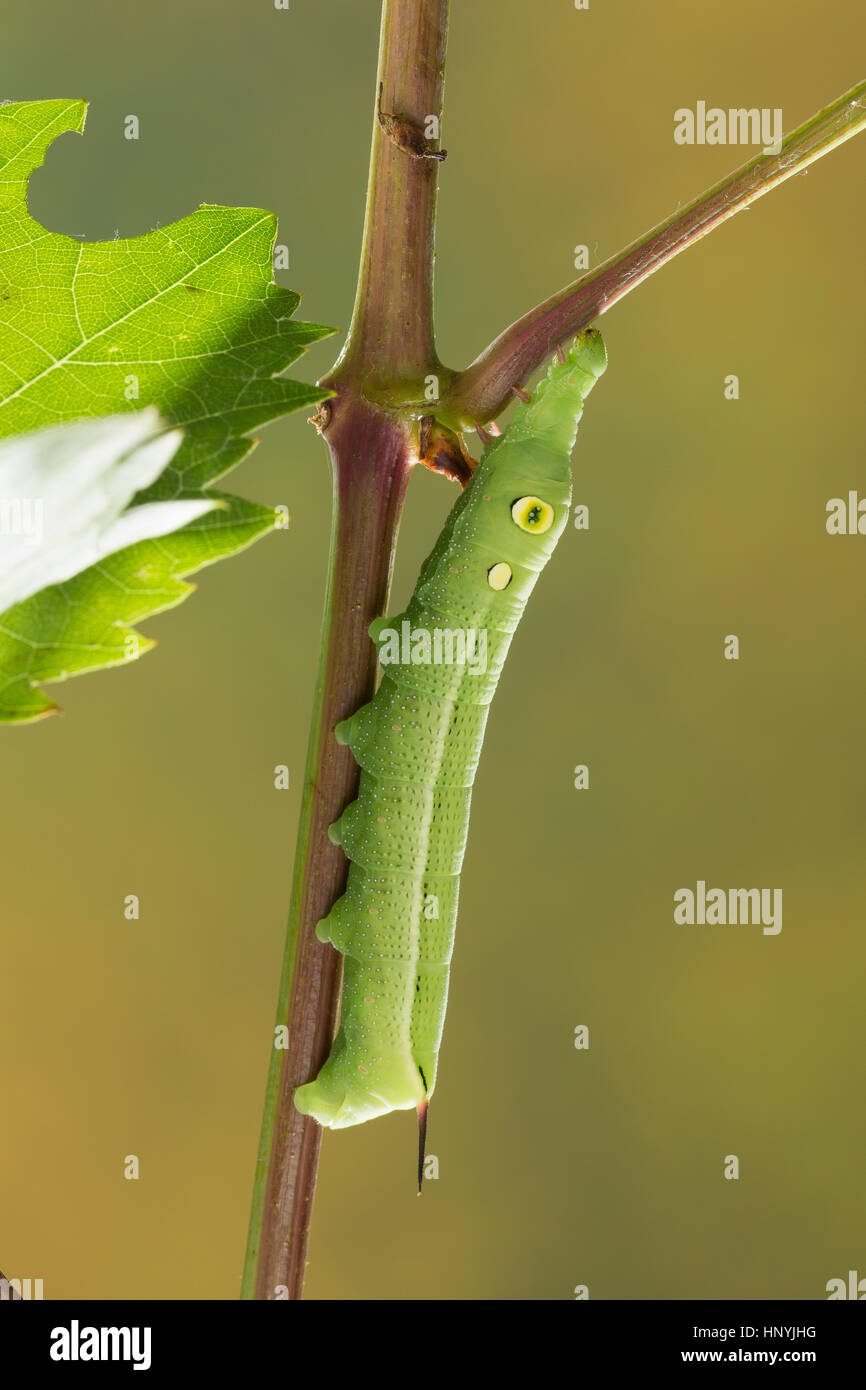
(483, 390)
(372, 451)
(391, 336)
(371, 461)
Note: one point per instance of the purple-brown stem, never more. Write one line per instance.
(391, 338)
(372, 460)
(389, 352)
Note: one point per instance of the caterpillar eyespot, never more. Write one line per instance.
(418, 742)
(500, 576)
(533, 515)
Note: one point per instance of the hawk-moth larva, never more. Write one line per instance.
(418, 742)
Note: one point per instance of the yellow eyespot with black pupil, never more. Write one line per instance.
(533, 515)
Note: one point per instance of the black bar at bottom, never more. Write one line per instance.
(256, 1343)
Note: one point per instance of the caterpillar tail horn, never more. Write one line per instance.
(423, 1107)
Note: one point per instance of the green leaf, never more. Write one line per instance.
(186, 318)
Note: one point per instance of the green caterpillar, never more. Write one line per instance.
(418, 742)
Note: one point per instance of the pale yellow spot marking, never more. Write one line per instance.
(499, 576)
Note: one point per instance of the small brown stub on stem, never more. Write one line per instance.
(406, 135)
(322, 418)
(442, 451)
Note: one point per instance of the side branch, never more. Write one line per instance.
(480, 392)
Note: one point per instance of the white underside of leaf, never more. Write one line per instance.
(64, 494)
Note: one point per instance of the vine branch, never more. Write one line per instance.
(390, 340)
(390, 345)
(480, 392)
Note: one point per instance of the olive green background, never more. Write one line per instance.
(557, 1167)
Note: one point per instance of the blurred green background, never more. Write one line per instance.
(557, 1167)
